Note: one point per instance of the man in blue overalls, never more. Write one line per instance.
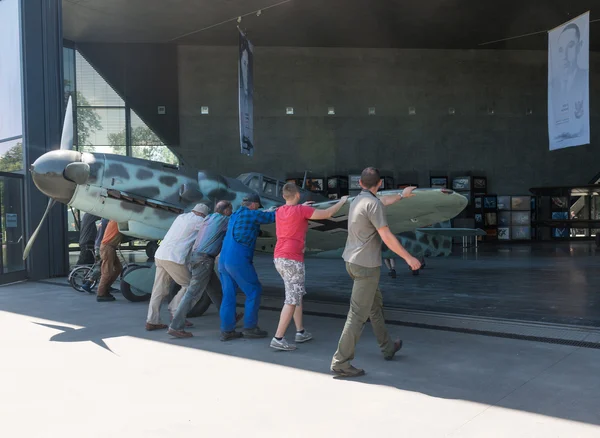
(236, 268)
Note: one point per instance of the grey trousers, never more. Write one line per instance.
(165, 271)
(204, 279)
(366, 302)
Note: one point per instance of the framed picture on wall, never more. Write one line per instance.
(521, 203)
(353, 182)
(490, 202)
(438, 182)
(503, 202)
(461, 183)
(479, 184)
(503, 233)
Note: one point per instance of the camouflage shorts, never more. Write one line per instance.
(292, 272)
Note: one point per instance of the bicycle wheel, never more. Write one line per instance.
(79, 275)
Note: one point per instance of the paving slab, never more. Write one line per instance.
(72, 367)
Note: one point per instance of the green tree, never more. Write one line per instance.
(12, 161)
(88, 121)
(145, 144)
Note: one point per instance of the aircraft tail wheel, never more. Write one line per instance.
(131, 293)
(151, 248)
(200, 307)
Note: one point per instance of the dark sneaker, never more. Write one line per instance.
(348, 372)
(397, 347)
(254, 333)
(86, 286)
(105, 298)
(228, 336)
(179, 333)
(151, 327)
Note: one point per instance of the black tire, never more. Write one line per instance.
(151, 248)
(130, 293)
(78, 275)
(200, 307)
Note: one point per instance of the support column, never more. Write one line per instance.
(43, 107)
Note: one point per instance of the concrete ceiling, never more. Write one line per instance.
(441, 24)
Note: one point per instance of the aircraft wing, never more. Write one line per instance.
(427, 207)
(453, 232)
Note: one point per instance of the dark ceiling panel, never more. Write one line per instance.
(435, 24)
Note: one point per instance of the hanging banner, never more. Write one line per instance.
(245, 82)
(568, 84)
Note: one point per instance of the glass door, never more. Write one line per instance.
(12, 228)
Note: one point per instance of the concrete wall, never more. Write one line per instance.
(509, 147)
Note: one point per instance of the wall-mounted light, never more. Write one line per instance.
(412, 111)
(204, 110)
(289, 110)
(490, 111)
(371, 110)
(331, 110)
(451, 111)
(162, 110)
(528, 111)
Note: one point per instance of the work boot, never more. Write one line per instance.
(179, 333)
(228, 336)
(254, 333)
(105, 298)
(397, 347)
(348, 372)
(151, 327)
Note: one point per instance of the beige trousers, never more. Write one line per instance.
(165, 271)
(366, 302)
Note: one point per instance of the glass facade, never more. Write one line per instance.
(104, 122)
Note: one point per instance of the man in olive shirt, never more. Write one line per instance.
(367, 227)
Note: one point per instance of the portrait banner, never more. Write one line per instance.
(245, 82)
(568, 84)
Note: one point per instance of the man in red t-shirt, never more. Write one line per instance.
(291, 222)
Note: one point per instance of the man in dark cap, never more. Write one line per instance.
(237, 270)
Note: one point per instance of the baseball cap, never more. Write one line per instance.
(252, 197)
(201, 208)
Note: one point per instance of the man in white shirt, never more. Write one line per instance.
(171, 263)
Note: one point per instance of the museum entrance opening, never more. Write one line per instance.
(12, 228)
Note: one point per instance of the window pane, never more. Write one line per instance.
(154, 153)
(99, 128)
(11, 117)
(69, 72)
(92, 89)
(146, 144)
(11, 156)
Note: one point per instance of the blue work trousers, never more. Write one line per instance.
(237, 270)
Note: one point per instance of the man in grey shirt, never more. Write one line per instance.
(206, 248)
(367, 227)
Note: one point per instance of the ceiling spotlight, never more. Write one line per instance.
(239, 20)
(258, 13)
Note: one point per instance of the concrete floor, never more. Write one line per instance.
(72, 367)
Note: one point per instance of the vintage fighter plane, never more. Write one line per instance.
(145, 197)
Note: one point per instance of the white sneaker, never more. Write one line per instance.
(282, 345)
(303, 337)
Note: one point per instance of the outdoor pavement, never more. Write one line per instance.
(72, 367)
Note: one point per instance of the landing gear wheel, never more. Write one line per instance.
(78, 276)
(200, 307)
(131, 293)
(151, 248)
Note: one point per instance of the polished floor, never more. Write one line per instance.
(539, 282)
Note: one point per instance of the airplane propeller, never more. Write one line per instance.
(66, 142)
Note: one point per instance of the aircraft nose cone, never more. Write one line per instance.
(48, 174)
